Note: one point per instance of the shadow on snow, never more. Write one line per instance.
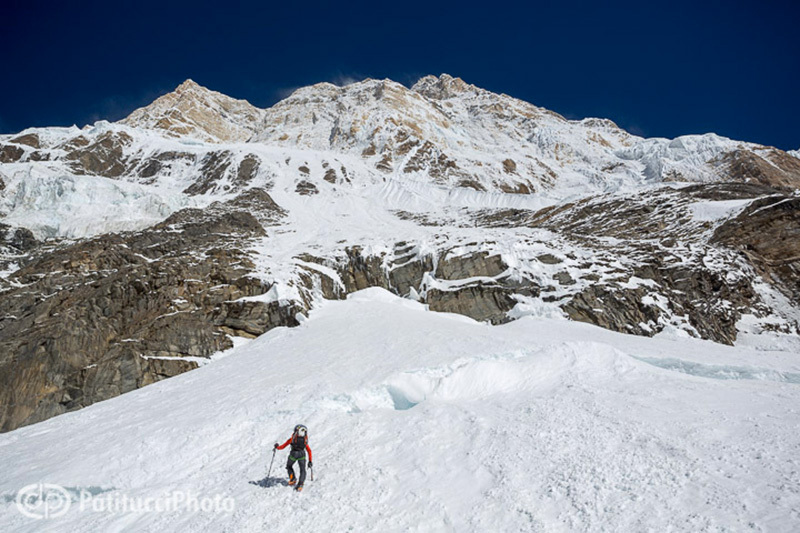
(270, 482)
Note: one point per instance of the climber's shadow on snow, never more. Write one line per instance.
(270, 482)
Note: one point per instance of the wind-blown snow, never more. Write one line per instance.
(433, 422)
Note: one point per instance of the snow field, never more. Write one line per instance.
(422, 421)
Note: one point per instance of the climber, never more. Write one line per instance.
(297, 454)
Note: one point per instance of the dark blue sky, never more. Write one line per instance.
(656, 68)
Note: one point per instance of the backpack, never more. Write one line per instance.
(299, 441)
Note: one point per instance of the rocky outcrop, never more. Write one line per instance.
(618, 310)
(708, 302)
(94, 319)
(360, 271)
(768, 234)
(29, 139)
(253, 318)
(483, 302)
(768, 166)
(19, 240)
(104, 157)
(306, 188)
(407, 269)
(10, 153)
(479, 264)
(213, 168)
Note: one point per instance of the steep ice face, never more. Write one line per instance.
(63, 205)
(681, 159)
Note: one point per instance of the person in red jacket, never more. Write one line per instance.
(299, 442)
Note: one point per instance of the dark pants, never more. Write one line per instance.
(298, 457)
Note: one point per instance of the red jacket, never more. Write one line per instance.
(288, 442)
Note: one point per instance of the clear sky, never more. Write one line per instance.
(657, 68)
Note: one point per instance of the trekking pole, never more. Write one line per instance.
(311, 469)
(270, 463)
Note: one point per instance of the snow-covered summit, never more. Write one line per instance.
(455, 134)
(450, 132)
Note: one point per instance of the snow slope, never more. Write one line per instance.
(432, 422)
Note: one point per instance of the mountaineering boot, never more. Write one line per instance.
(299, 488)
(292, 480)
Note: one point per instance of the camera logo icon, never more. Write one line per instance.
(43, 501)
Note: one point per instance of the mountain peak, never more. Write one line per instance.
(442, 87)
(193, 110)
(188, 85)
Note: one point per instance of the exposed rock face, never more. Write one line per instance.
(104, 157)
(480, 264)
(768, 233)
(407, 270)
(306, 188)
(10, 153)
(214, 166)
(360, 272)
(442, 87)
(21, 240)
(479, 301)
(669, 268)
(30, 139)
(706, 300)
(192, 110)
(126, 310)
(619, 310)
(770, 167)
(254, 318)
